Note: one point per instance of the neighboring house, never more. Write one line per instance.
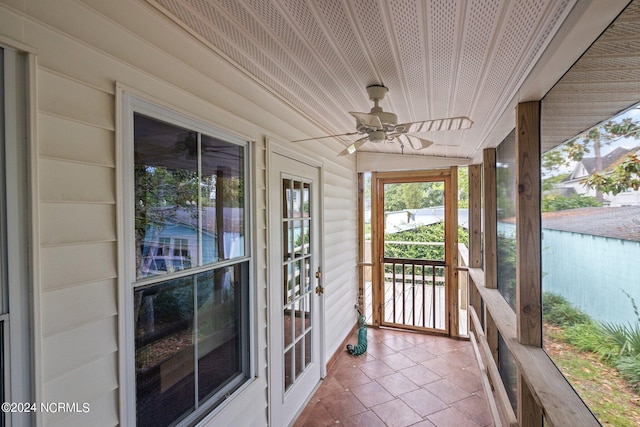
(587, 166)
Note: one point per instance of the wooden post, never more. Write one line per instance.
(490, 217)
(528, 282)
(451, 245)
(475, 237)
(490, 242)
(475, 216)
(528, 292)
(377, 285)
(361, 244)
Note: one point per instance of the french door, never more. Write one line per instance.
(295, 288)
(416, 224)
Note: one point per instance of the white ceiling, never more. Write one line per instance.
(439, 58)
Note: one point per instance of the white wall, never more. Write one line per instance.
(82, 49)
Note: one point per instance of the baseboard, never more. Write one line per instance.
(332, 360)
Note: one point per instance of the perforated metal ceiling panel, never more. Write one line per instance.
(439, 58)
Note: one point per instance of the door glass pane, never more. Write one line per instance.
(289, 364)
(306, 191)
(297, 199)
(299, 357)
(297, 277)
(287, 198)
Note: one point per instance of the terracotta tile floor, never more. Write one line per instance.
(404, 379)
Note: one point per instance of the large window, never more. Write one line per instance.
(190, 266)
(591, 223)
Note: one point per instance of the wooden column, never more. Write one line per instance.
(528, 282)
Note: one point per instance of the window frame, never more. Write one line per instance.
(18, 321)
(129, 104)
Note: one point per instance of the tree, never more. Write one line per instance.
(463, 187)
(621, 178)
(595, 139)
(558, 202)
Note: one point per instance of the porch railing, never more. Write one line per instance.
(414, 292)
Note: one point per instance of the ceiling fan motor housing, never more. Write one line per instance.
(388, 120)
(377, 136)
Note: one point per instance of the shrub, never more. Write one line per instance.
(556, 310)
(591, 337)
(629, 367)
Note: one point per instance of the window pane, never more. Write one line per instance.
(506, 206)
(591, 224)
(166, 195)
(220, 327)
(222, 192)
(164, 351)
(508, 372)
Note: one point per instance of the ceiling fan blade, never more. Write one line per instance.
(353, 147)
(417, 142)
(369, 120)
(450, 123)
(327, 136)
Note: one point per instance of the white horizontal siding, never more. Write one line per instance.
(64, 139)
(76, 182)
(340, 220)
(78, 264)
(67, 308)
(72, 265)
(102, 412)
(84, 47)
(61, 351)
(87, 383)
(61, 96)
(69, 223)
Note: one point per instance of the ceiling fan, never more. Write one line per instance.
(380, 126)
